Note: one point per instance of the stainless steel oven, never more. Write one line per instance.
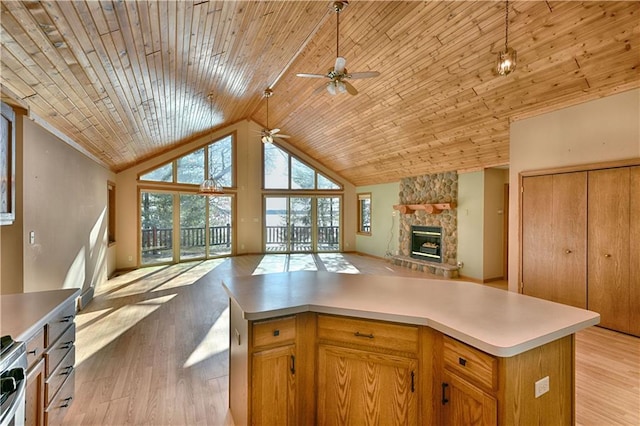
(13, 381)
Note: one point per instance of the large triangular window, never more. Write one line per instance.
(214, 160)
(285, 171)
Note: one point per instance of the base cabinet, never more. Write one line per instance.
(273, 386)
(35, 402)
(363, 387)
(332, 370)
(466, 404)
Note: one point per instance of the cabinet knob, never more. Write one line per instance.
(567, 251)
(607, 255)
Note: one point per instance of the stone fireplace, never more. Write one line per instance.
(435, 188)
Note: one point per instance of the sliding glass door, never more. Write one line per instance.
(301, 224)
(181, 227)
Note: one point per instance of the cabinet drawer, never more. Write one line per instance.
(372, 334)
(473, 364)
(55, 412)
(59, 349)
(59, 375)
(35, 348)
(274, 331)
(59, 324)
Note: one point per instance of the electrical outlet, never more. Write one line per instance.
(542, 386)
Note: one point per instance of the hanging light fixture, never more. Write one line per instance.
(506, 60)
(210, 186)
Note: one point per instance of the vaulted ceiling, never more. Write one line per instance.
(127, 80)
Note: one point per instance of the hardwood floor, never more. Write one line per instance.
(151, 347)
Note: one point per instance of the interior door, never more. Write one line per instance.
(554, 237)
(609, 289)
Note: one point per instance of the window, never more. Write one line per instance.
(284, 171)
(216, 159)
(111, 212)
(364, 213)
(178, 225)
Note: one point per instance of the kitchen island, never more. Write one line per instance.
(329, 348)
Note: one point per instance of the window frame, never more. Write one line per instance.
(361, 198)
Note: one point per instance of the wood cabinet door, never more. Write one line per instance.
(634, 250)
(273, 387)
(554, 237)
(465, 404)
(357, 387)
(608, 229)
(35, 403)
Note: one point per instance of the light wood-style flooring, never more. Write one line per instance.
(151, 347)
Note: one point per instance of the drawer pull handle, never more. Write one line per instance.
(293, 364)
(413, 381)
(462, 362)
(67, 370)
(66, 402)
(33, 352)
(67, 318)
(368, 336)
(276, 332)
(444, 390)
(66, 345)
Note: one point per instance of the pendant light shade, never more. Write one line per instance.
(210, 187)
(507, 59)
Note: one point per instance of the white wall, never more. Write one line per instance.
(606, 129)
(384, 220)
(65, 204)
(493, 232)
(471, 224)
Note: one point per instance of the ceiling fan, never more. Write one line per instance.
(267, 135)
(338, 75)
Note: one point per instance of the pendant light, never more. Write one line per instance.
(507, 59)
(210, 186)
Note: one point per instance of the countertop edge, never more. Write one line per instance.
(37, 325)
(500, 351)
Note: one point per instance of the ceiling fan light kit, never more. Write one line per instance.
(268, 134)
(507, 59)
(338, 75)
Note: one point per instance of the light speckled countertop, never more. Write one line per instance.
(24, 314)
(499, 322)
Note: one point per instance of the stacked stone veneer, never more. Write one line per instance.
(435, 188)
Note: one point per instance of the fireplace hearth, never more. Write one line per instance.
(426, 243)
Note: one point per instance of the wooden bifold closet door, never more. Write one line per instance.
(614, 247)
(554, 237)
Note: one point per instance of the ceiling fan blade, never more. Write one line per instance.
(340, 64)
(274, 131)
(366, 74)
(282, 136)
(352, 90)
(307, 75)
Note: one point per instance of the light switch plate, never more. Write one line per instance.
(542, 386)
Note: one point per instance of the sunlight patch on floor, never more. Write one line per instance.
(108, 328)
(273, 263)
(151, 281)
(215, 342)
(335, 262)
(191, 276)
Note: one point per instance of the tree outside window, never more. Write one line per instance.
(364, 213)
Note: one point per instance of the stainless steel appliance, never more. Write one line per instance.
(13, 381)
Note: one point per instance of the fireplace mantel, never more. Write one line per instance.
(429, 208)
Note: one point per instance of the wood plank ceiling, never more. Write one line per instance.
(127, 80)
